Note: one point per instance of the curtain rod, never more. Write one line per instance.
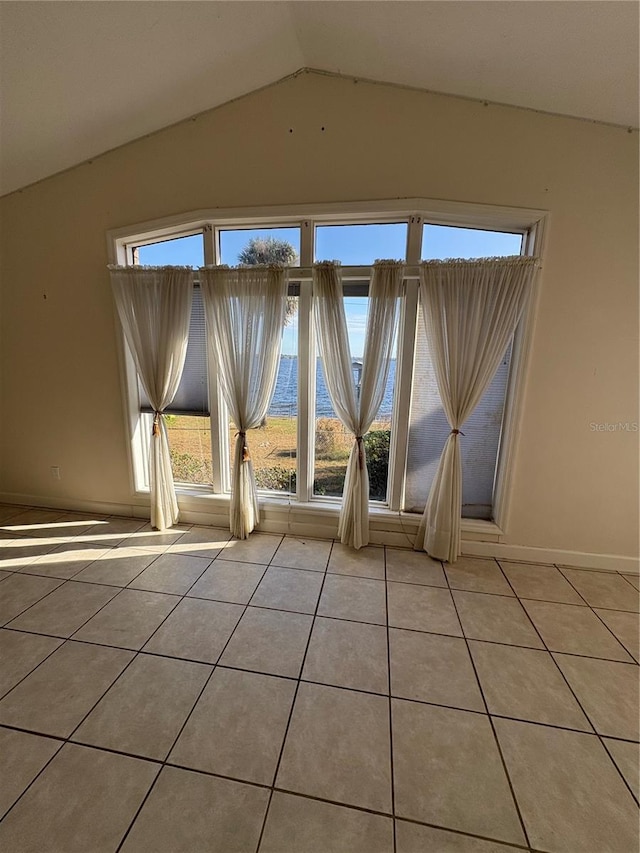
(349, 272)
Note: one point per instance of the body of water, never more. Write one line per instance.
(285, 398)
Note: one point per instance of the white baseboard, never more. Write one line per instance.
(479, 539)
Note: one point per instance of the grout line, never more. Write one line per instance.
(391, 756)
(188, 716)
(38, 774)
(491, 723)
(575, 695)
(298, 680)
(9, 627)
(597, 615)
(160, 763)
(293, 701)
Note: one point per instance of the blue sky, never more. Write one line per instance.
(349, 244)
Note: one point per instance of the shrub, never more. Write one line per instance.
(376, 445)
(277, 478)
(330, 438)
(189, 469)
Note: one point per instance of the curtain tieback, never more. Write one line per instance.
(360, 443)
(245, 448)
(456, 432)
(156, 424)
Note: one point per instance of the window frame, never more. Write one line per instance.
(416, 212)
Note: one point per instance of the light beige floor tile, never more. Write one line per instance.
(83, 801)
(4, 575)
(569, 793)
(414, 567)
(609, 693)
(20, 653)
(634, 580)
(431, 668)
(297, 553)
(58, 694)
(9, 511)
(171, 573)
(288, 589)
(625, 626)
(545, 583)
(22, 757)
(113, 530)
(299, 825)
(191, 813)
(148, 538)
(413, 838)
(604, 589)
(576, 630)
(201, 542)
(142, 713)
(525, 683)
(196, 630)
(16, 554)
(65, 609)
(477, 575)
(447, 771)
(366, 562)
(238, 726)
(225, 580)
(627, 757)
(337, 747)
(118, 567)
(21, 591)
(67, 526)
(258, 548)
(495, 618)
(66, 560)
(269, 641)
(129, 619)
(348, 654)
(359, 599)
(33, 517)
(422, 608)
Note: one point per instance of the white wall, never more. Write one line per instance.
(574, 489)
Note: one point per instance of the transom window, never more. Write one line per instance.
(301, 449)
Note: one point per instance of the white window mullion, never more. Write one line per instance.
(404, 372)
(217, 407)
(306, 371)
(414, 239)
(402, 396)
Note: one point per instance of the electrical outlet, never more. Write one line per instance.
(55, 472)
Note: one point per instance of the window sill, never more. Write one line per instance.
(318, 518)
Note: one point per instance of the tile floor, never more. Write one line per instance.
(185, 692)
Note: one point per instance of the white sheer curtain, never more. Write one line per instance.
(245, 310)
(471, 310)
(356, 414)
(154, 306)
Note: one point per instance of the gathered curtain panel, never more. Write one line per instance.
(356, 412)
(154, 307)
(471, 310)
(245, 311)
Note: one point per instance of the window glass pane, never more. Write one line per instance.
(333, 442)
(273, 444)
(444, 241)
(190, 448)
(181, 251)
(428, 427)
(259, 246)
(188, 419)
(361, 244)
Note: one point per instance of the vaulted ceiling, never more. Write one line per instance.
(79, 78)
